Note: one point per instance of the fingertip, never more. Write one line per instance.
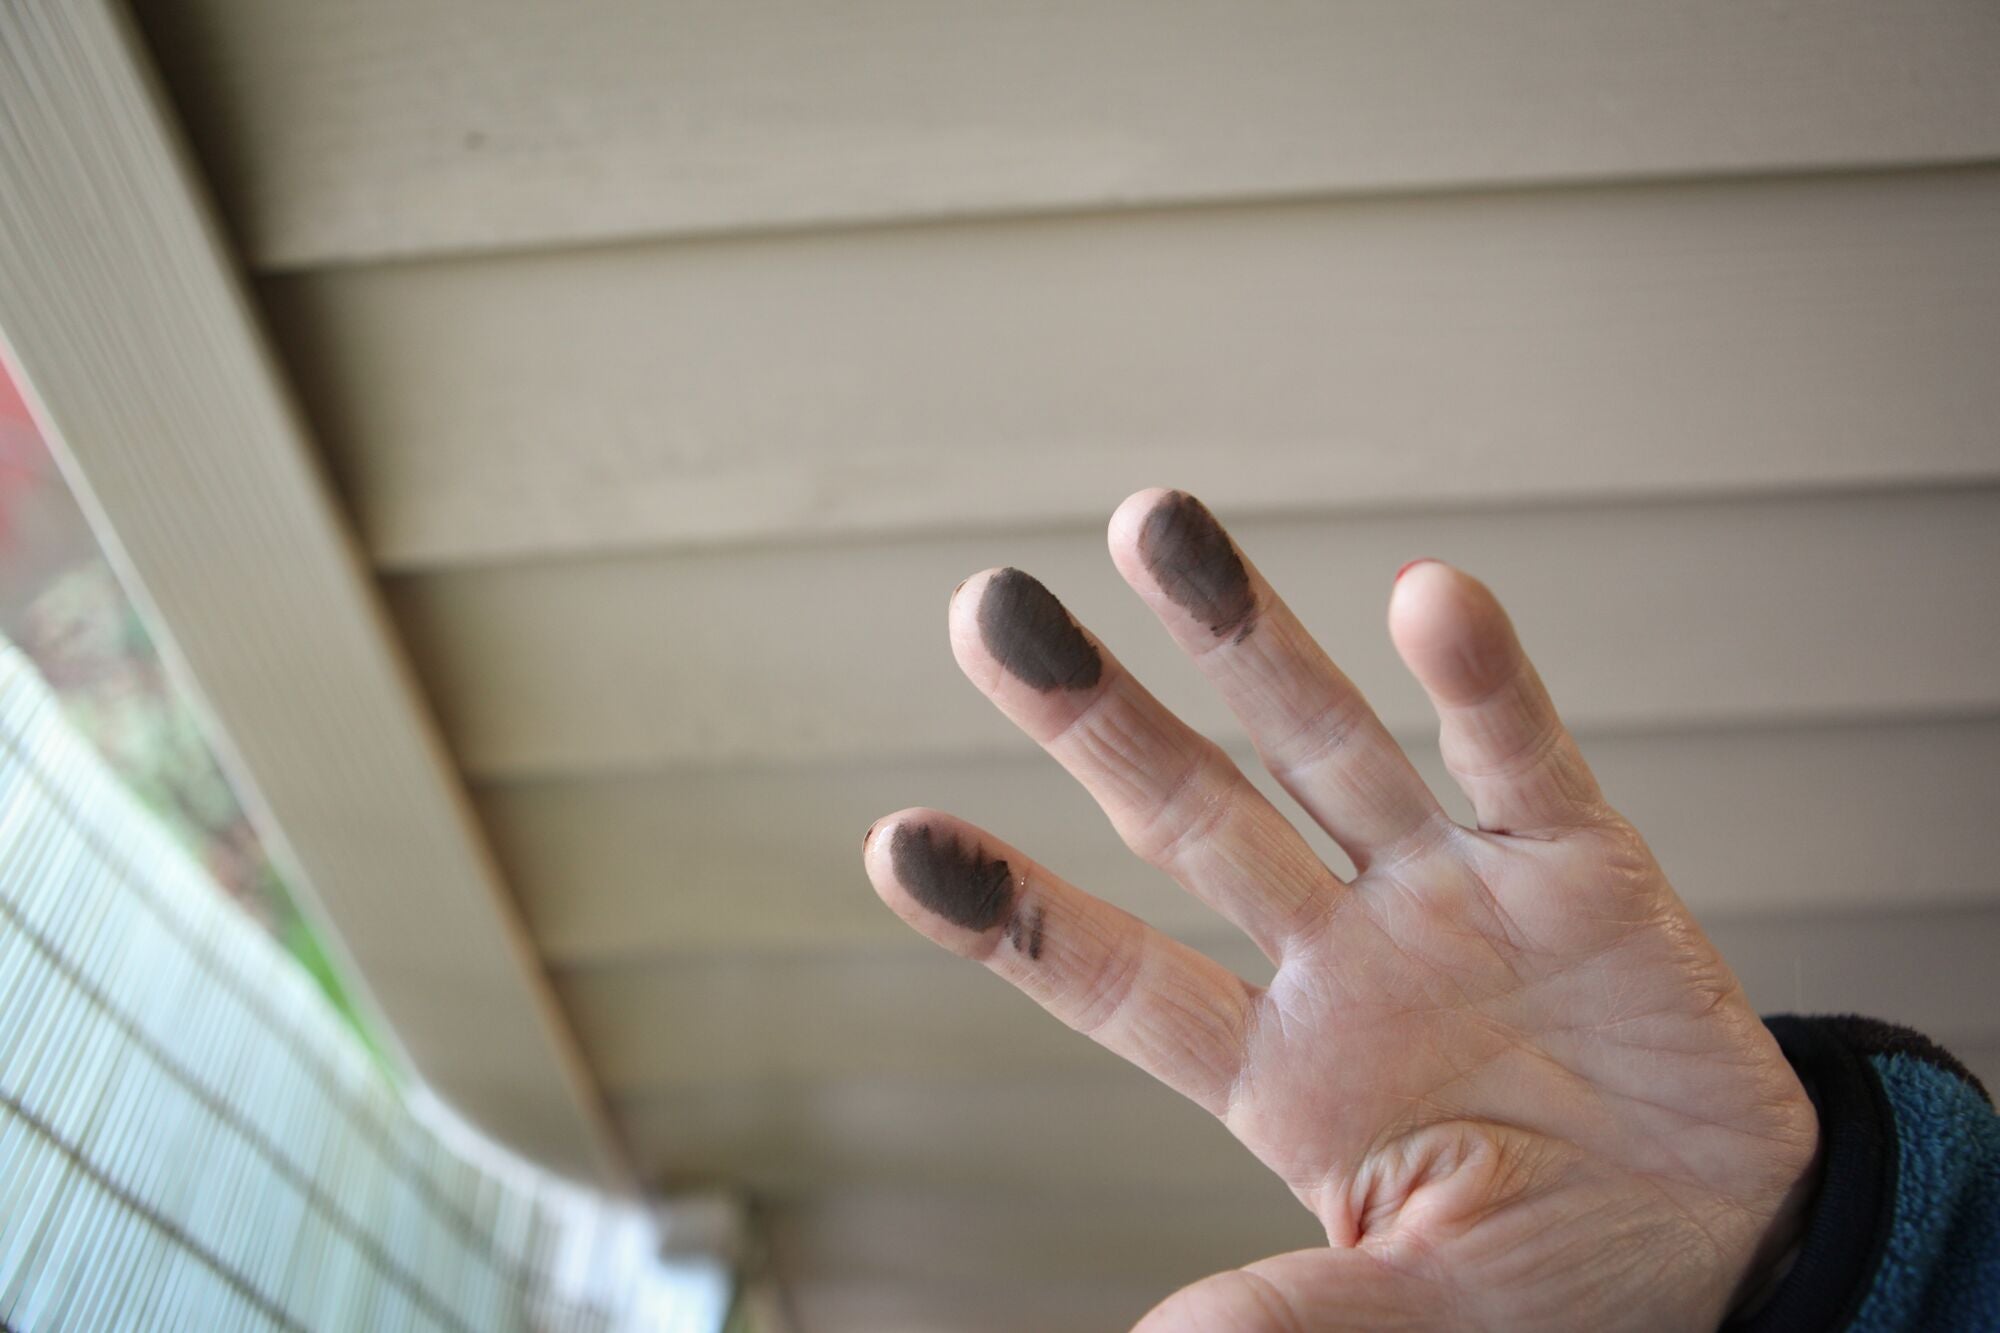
(882, 833)
(941, 875)
(968, 643)
(1450, 630)
(1128, 520)
(877, 845)
(966, 596)
(1410, 565)
(1177, 555)
(878, 855)
(1005, 624)
(962, 613)
(1421, 594)
(875, 854)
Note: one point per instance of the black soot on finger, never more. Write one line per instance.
(952, 877)
(1033, 637)
(1196, 564)
(1024, 932)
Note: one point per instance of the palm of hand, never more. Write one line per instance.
(1506, 1071)
(1516, 1073)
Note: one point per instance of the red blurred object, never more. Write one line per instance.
(23, 460)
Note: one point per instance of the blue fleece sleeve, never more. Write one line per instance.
(1940, 1263)
(1904, 1227)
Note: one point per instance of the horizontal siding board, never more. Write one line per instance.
(1098, 1177)
(1758, 335)
(1163, 1236)
(657, 866)
(1651, 616)
(355, 131)
(914, 1011)
(1096, 1130)
(1093, 1132)
(898, 1011)
(996, 1305)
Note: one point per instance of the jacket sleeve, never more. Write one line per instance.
(1903, 1231)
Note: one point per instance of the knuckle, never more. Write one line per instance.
(1186, 812)
(1318, 737)
(1115, 980)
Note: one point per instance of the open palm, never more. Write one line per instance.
(1502, 1066)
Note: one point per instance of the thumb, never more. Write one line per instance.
(1302, 1292)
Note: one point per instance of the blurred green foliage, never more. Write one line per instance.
(89, 643)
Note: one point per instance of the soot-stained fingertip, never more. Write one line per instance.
(1027, 630)
(949, 872)
(1192, 560)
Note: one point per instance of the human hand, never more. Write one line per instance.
(1501, 1065)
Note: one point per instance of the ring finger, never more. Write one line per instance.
(1175, 798)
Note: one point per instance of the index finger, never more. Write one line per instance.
(1174, 1012)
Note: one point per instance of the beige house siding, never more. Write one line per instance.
(377, 129)
(1334, 355)
(673, 363)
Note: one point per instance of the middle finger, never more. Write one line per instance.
(1175, 798)
(1314, 730)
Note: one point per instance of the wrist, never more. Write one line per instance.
(1780, 1244)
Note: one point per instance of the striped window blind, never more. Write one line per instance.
(190, 1137)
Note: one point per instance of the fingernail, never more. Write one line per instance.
(1420, 560)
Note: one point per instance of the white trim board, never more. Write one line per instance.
(161, 400)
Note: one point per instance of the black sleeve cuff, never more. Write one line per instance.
(1853, 1206)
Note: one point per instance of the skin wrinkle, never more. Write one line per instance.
(1519, 761)
(1031, 635)
(1418, 964)
(1511, 935)
(1419, 843)
(1603, 1095)
(1224, 1022)
(1115, 741)
(1196, 565)
(1273, 1302)
(1258, 1000)
(1319, 736)
(1111, 989)
(1076, 725)
(1700, 1226)
(1207, 816)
